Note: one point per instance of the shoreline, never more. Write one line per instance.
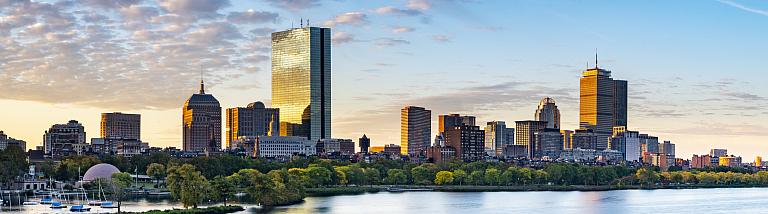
(351, 190)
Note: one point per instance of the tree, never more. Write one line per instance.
(492, 176)
(156, 171)
(372, 175)
(646, 176)
(444, 177)
(459, 176)
(187, 184)
(222, 189)
(396, 176)
(319, 176)
(476, 177)
(120, 182)
(13, 162)
(422, 175)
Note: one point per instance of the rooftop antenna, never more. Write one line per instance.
(302, 22)
(595, 57)
(308, 23)
(202, 84)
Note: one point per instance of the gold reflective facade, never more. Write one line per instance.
(596, 104)
(301, 81)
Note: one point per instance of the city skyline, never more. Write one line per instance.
(665, 91)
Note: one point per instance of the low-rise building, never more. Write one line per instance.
(591, 155)
(284, 146)
(702, 161)
(730, 161)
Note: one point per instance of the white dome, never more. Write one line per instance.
(100, 171)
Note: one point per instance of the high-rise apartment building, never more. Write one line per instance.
(627, 142)
(649, 143)
(301, 81)
(121, 126)
(602, 103)
(6, 141)
(547, 143)
(253, 120)
(585, 139)
(547, 111)
(415, 130)
(201, 123)
(62, 140)
(467, 141)
(497, 136)
(525, 134)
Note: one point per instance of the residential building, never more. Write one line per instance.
(547, 111)
(117, 146)
(447, 122)
(6, 141)
(63, 140)
(730, 161)
(603, 103)
(548, 144)
(252, 120)
(201, 123)
(301, 81)
(702, 161)
(515, 151)
(718, 152)
(758, 161)
(392, 149)
(591, 155)
(468, 141)
(440, 154)
(627, 142)
(649, 143)
(668, 148)
(342, 146)
(364, 142)
(120, 125)
(584, 139)
(415, 130)
(525, 133)
(245, 146)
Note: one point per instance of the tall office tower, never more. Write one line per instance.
(121, 126)
(567, 139)
(627, 142)
(584, 139)
(415, 130)
(301, 81)
(603, 104)
(547, 143)
(547, 111)
(364, 142)
(496, 137)
(62, 140)
(201, 122)
(525, 133)
(449, 121)
(253, 120)
(619, 103)
(468, 141)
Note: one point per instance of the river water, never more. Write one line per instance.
(738, 200)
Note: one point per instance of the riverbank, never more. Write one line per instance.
(335, 191)
(207, 210)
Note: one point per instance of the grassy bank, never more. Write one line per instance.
(344, 190)
(207, 210)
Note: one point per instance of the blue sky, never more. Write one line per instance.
(695, 68)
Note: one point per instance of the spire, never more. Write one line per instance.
(595, 57)
(202, 84)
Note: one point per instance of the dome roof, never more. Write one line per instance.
(100, 171)
(257, 104)
(546, 100)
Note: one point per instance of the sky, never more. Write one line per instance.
(696, 69)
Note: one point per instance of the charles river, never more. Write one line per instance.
(723, 200)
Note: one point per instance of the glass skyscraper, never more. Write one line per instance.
(301, 81)
(603, 104)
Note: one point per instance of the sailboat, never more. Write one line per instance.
(81, 207)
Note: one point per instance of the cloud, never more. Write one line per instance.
(263, 31)
(744, 96)
(79, 53)
(388, 42)
(251, 16)
(419, 4)
(441, 38)
(350, 18)
(401, 29)
(110, 3)
(294, 5)
(744, 8)
(397, 11)
(340, 37)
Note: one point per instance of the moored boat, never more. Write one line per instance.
(30, 203)
(108, 204)
(57, 205)
(79, 208)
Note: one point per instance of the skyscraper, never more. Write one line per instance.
(603, 103)
(548, 111)
(467, 141)
(627, 142)
(253, 120)
(449, 121)
(497, 136)
(364, 142)
(301, 81)
(415, 130)
(201, 120)
(120, 126)
(525, 134)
